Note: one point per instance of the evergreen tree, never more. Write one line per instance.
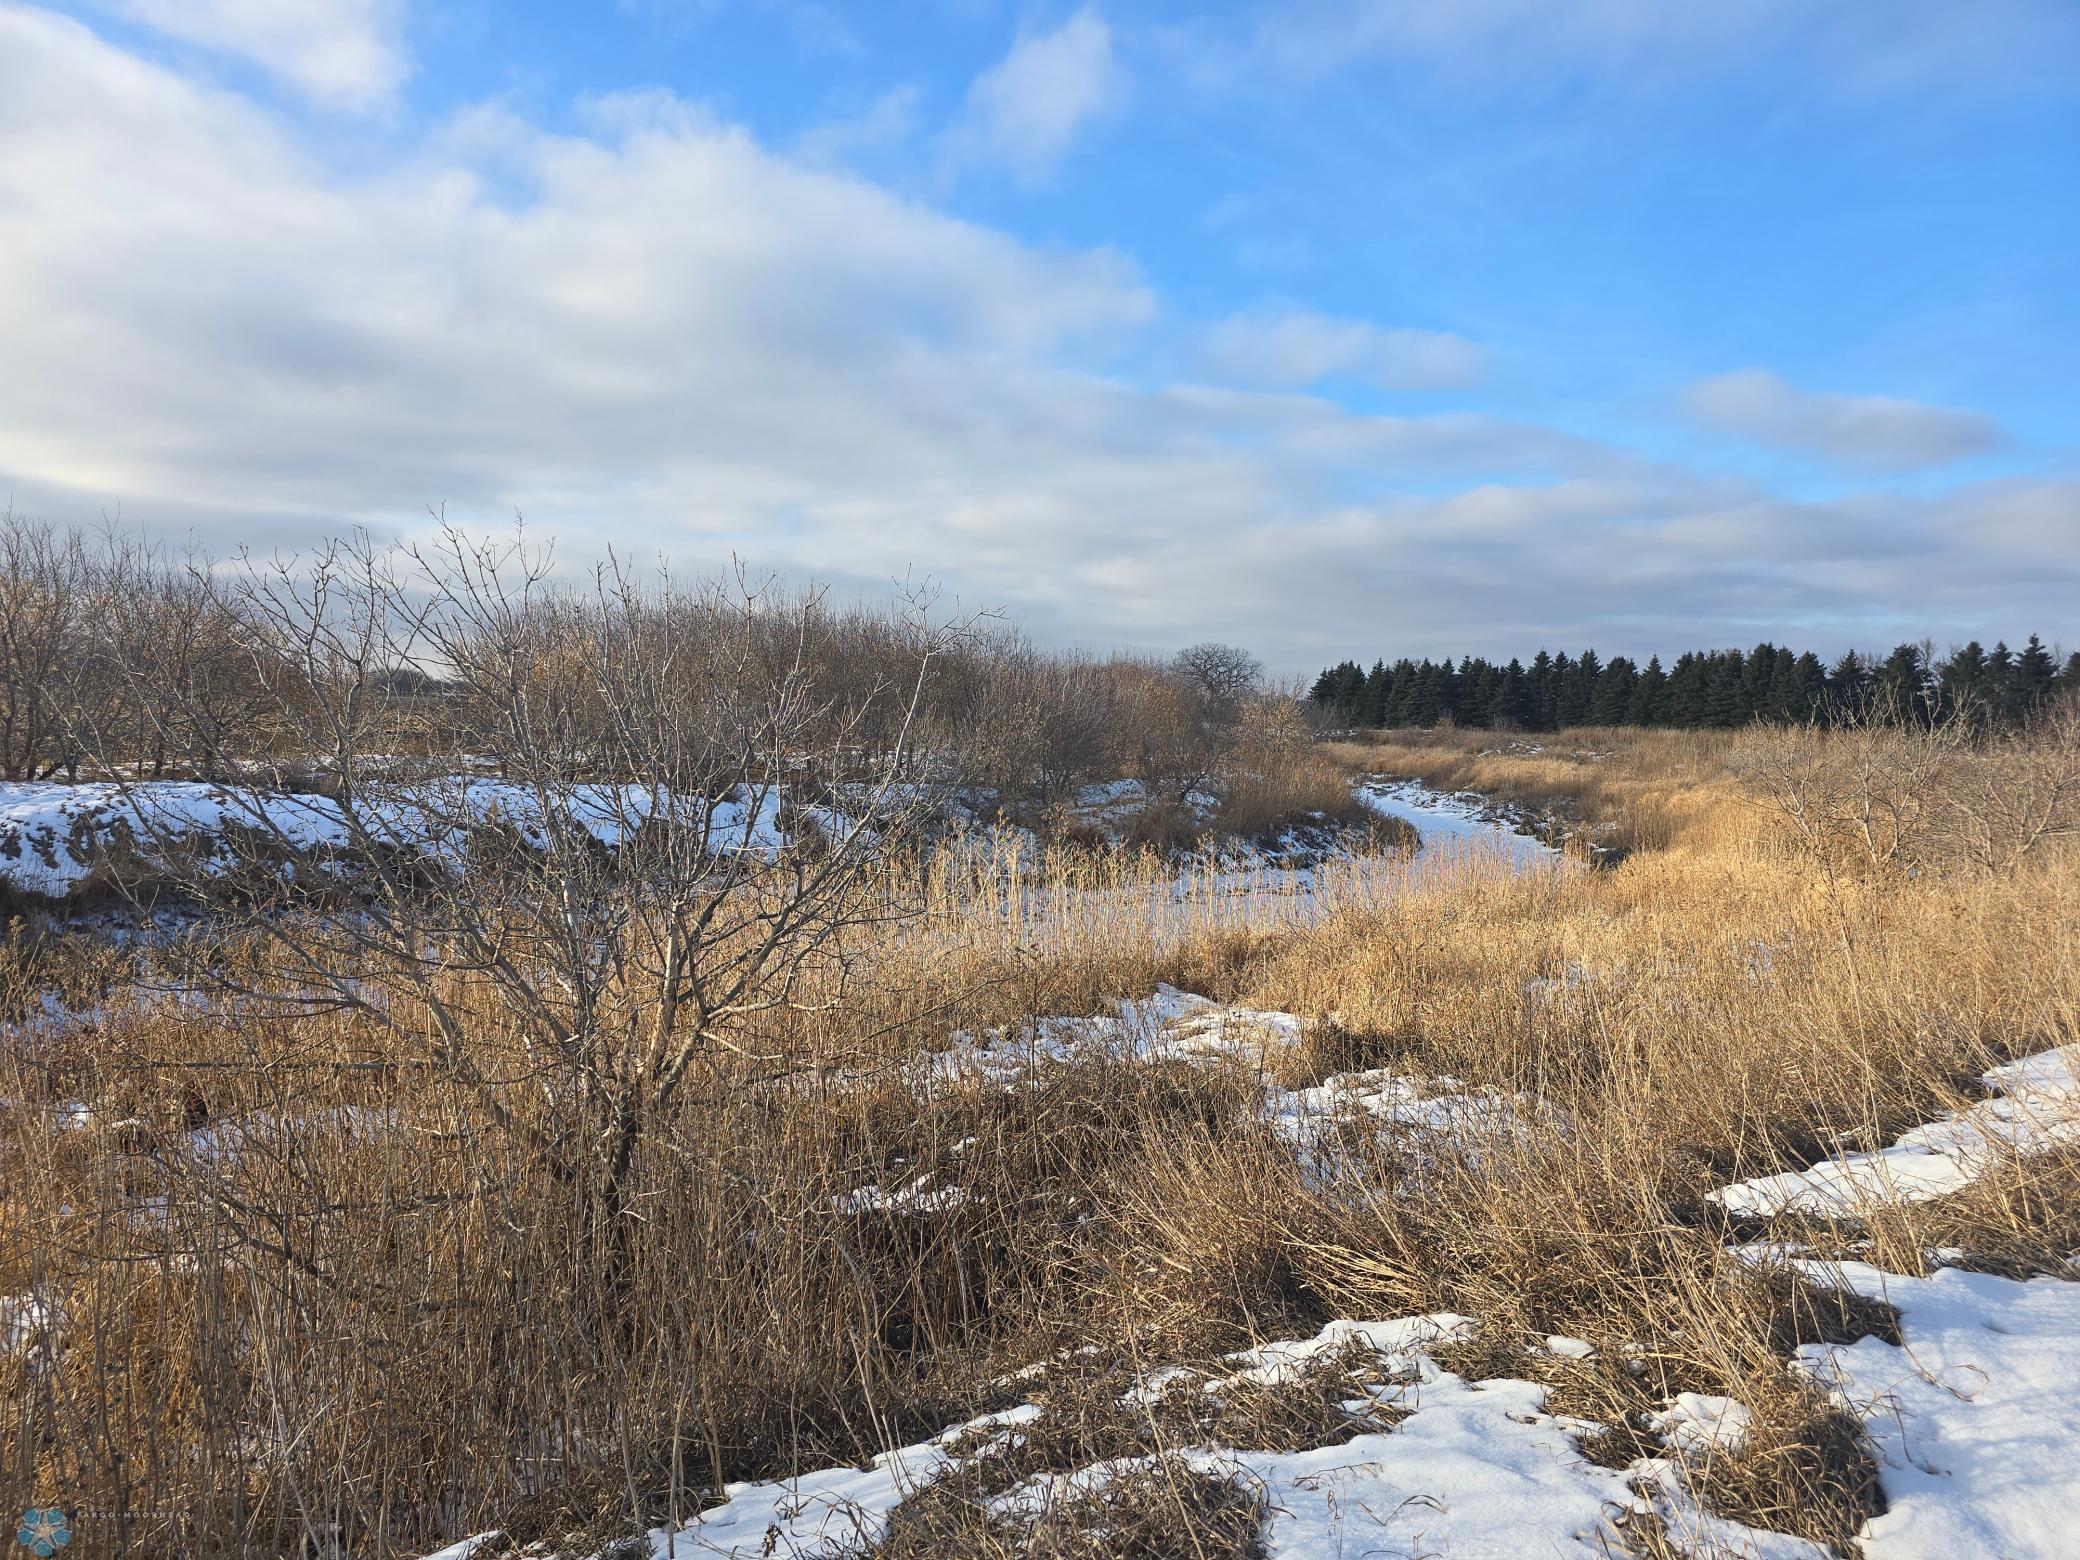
(1901, 685)
(1429, 706)
(1962, 682)
(1507, 706)
(2003, 693)
(2035, 672)
(1785, 699)
(1649, 706)
(1401, 701)
(1812, 686)
(1338, 692)
(1578, 690)
(1848, 685)
(1447, 691)
(1476, 691)
(1689, 686)
(1378, 689)
(1726, 692)
(1613, 695)
(1758, 682)
(1559, 691)
(1538, 688)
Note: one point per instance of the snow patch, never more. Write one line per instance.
(2035, 1106)
(53, 836)
(1974, 1417)
(1698, 1426)
(1457, 821)
(919, 1196)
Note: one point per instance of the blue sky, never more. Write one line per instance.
(1346, 326)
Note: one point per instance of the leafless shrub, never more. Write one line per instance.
(1901, 797)
(626, 892)
(2009, 797)
(1033, 727)
(1223, 676)
(47, 599)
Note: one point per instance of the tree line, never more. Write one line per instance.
(1703, 688)
(128, 659)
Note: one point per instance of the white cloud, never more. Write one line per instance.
(1868, 430)
(2034, 519)
(1297, 346)
(345, 54)
(1029, 109)
(661, 334)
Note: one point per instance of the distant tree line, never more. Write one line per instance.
(1704, 688)
(121, 657)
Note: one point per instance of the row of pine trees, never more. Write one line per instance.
(1703, 688)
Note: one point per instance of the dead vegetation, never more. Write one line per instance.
(1101, 1469)
(367, 1260)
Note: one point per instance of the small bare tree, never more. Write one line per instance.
(1857, 796)
(1033, 727)
(174, 686)
(686, 832)
(1222, 675)
(46, 589)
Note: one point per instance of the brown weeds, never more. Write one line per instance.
(291, 1281)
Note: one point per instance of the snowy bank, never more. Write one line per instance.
(1461, 821)
(2034, 1105)
(55, 837)
(1974, 1416)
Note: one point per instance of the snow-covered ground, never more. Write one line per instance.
(1466, 1469)
(1460, 821)
(53, 836)
(2032, 1105)
(1974, 1416)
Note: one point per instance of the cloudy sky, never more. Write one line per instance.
(1329, 326)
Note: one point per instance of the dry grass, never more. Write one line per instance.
(1098, 1471)
(353, 1300)
(1631, 789)
(1270, 792)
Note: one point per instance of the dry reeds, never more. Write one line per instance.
(273, 1279)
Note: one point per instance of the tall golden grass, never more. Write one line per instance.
(295, 1287)
(1631, 788)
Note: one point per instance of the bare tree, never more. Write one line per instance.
(174, 686)
(46, 583)
(1882, 795)
(1031, 727)
(688, 831)
(2016, 792)
(1178, 747)
(1222, 675)
(1858, 796)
